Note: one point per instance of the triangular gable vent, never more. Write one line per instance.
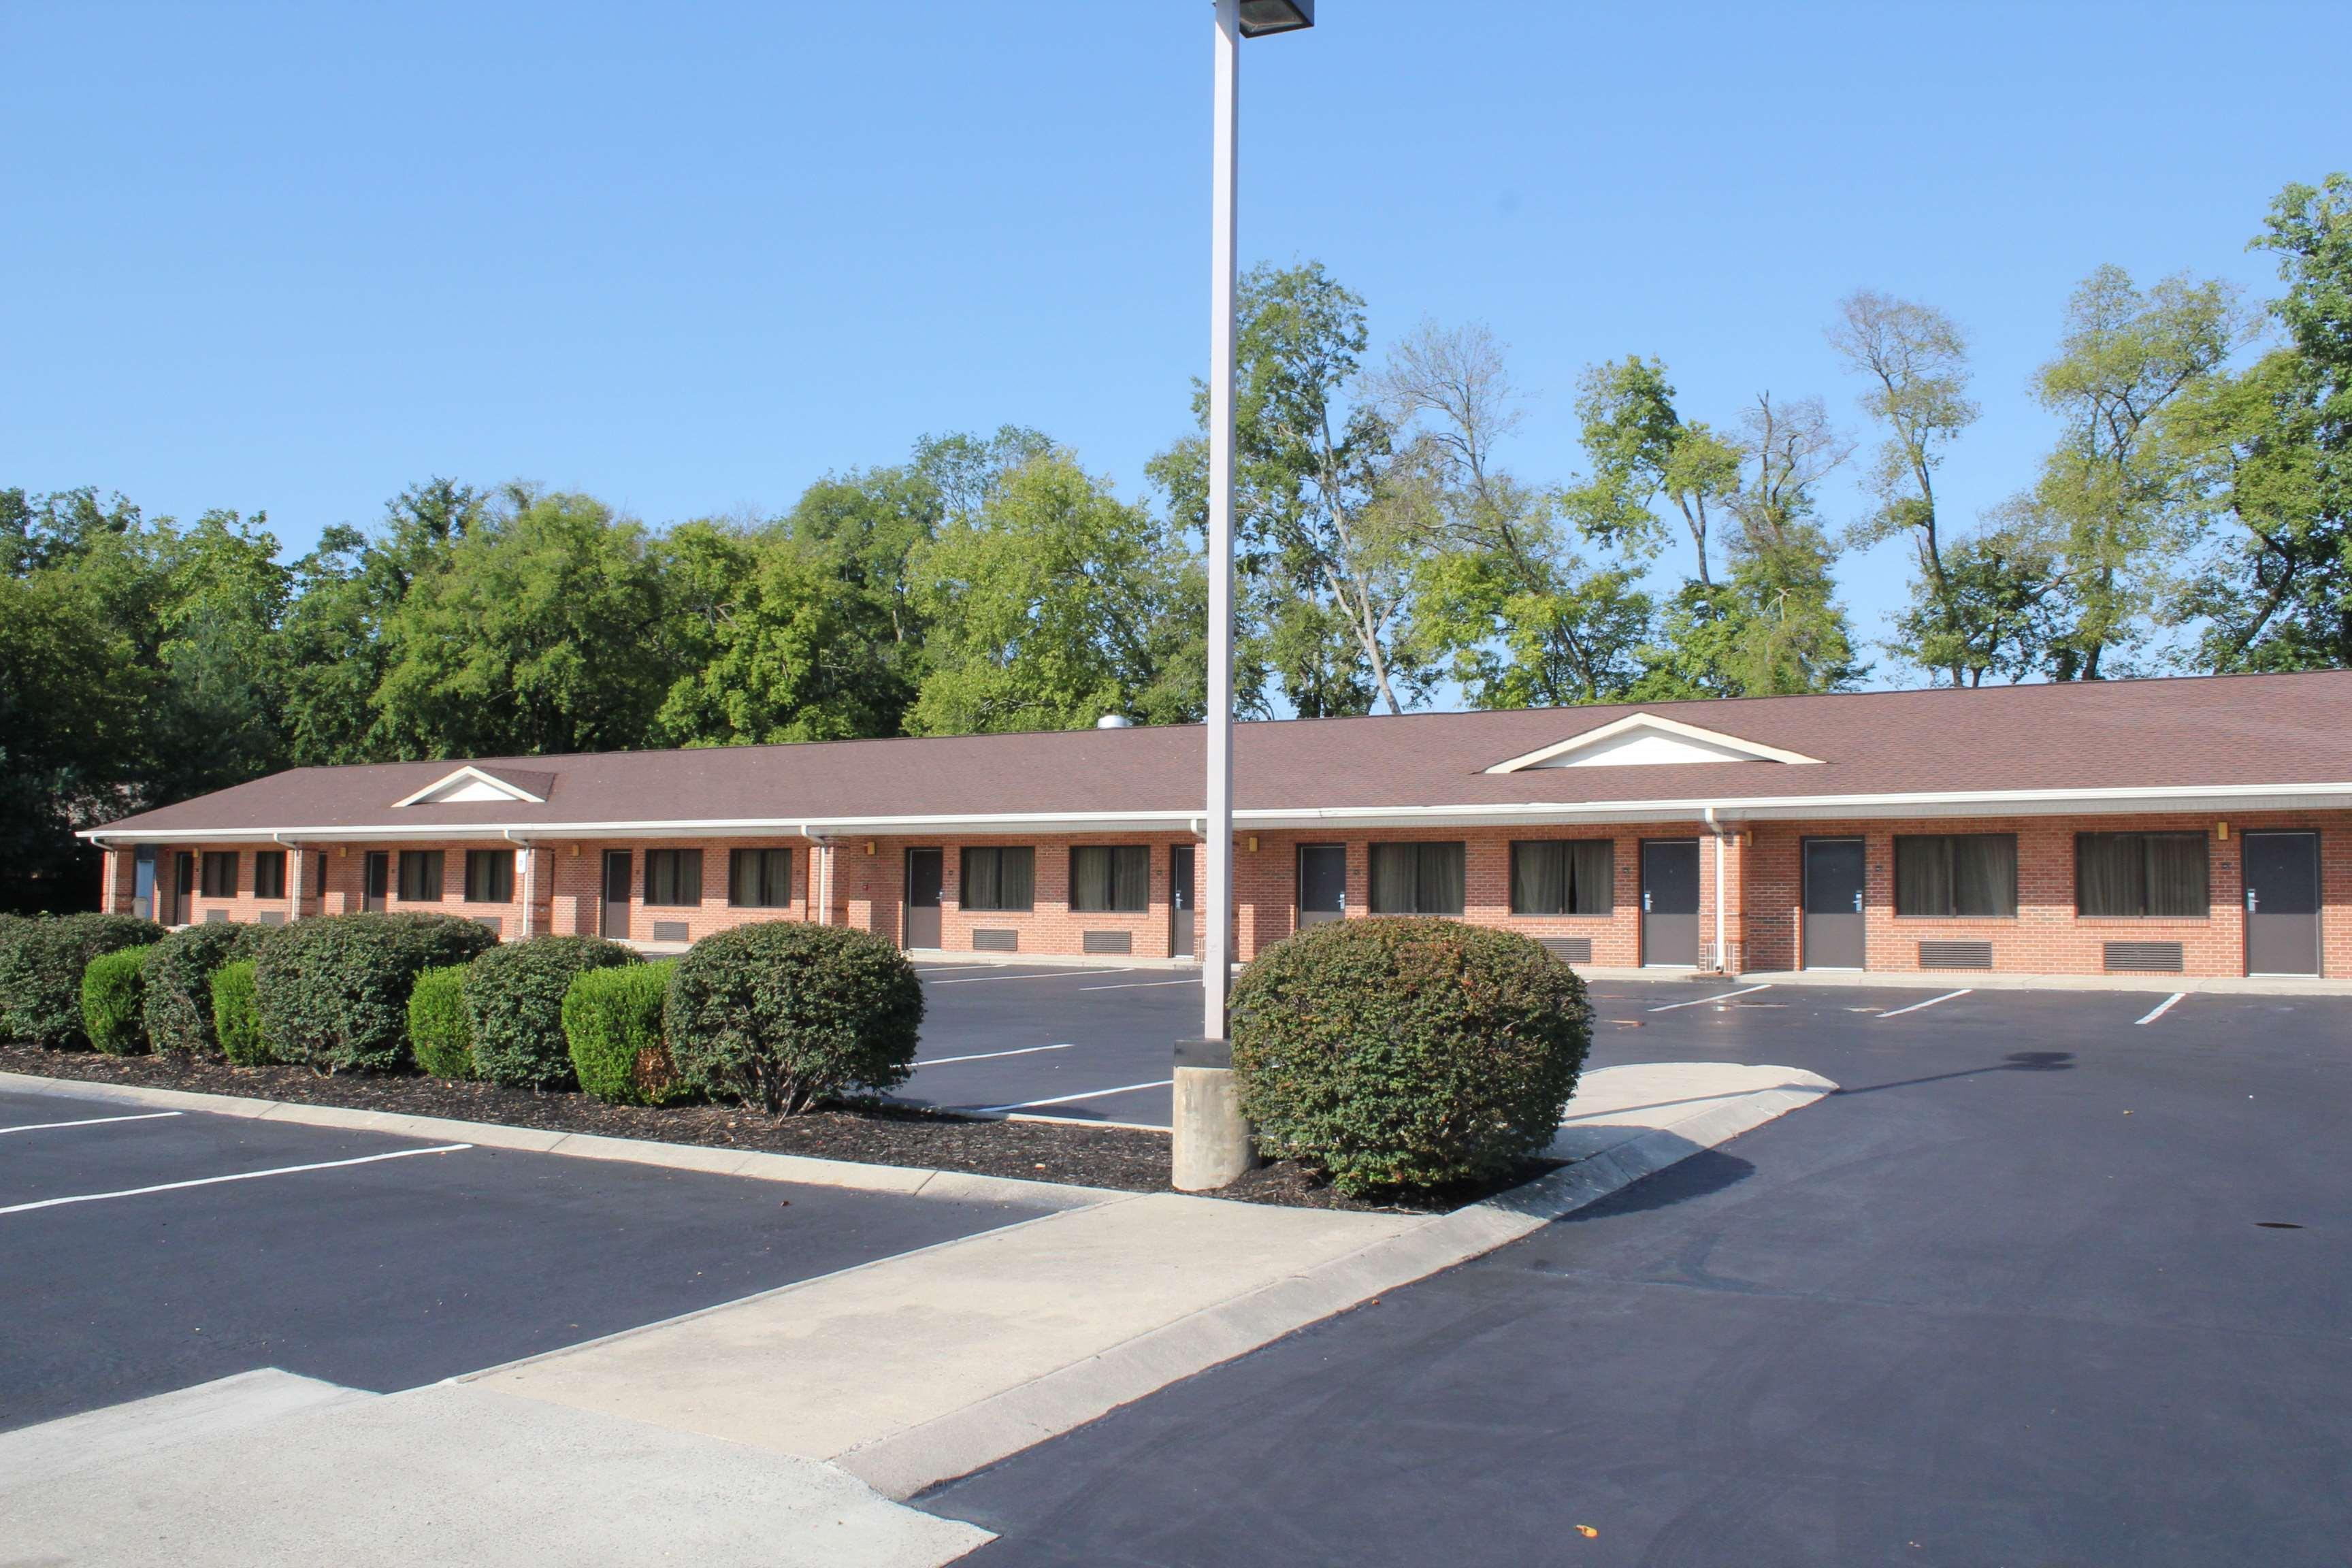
(1647, 741)
(471, 785)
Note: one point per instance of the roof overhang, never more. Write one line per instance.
(1726, 809)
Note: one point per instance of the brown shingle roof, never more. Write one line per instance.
(2215, 732)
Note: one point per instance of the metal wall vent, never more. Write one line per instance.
(1107, 942)
(2143, 958)
(1570, 949)
(1955, 955)
(669, 931)
(996, 941)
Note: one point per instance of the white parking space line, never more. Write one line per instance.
(1138, 984)
(991, 1055)
(2162, 1008)
(1059, 1098)
(1048, 974)
(1930, 1001)
(1703, 1001)
(89, 1121)
(239, 1176)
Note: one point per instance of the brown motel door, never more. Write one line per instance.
(378, 886)
(927, 877)
(1322, 883)
(1670, 901)
(618, 864)
(2282, 903)
(1180, 901)
(1833, 917)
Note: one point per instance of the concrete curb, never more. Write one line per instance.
(908, 1462)
(808, 1171)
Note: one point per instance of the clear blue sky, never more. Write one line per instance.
(689, 259)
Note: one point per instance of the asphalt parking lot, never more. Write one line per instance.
(2056, 1279)
(128, 1267)
(1093, 1045)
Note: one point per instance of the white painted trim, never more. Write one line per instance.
(1654, 723)
(2332, 796)
(472, 774)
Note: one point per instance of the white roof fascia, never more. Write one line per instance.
(472, 774)
(1615, 726)
(1973, 803)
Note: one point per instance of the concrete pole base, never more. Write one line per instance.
(1211, 1143)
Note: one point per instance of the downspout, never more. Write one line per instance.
(1716, 828)
(529, 875)
(294, 882)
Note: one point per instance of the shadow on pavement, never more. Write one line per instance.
(1695, 1176)
(2016, 1061)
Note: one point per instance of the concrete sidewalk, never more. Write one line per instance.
(776, 1429)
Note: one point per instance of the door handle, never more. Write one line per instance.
(2253, 901)
(1645, 903)
(1858, 902)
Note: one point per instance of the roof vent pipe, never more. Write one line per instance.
(1114, 721)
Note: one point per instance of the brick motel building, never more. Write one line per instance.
(2196, 826)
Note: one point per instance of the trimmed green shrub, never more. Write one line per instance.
(236, 1022)
(783, 1014)
(179, 1005)
(612, 1024)
(514, 1000)
(331, 992)
(1407, 1053)
(438, 1034)
(112, 989)
(41, 965)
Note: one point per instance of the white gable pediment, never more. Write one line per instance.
(469, 785)
(1648, 740)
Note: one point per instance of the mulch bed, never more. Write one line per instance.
(1113, 1157)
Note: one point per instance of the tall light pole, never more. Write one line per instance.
(1211, 1140)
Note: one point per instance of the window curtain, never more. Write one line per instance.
(1923, 876)
(2176, 874)
(775, 878)
(673, 876)
(2110, 875)
(1130, 878)
(489, 875)
(1394, 869)
(1000, 879)
(1540, 878)
(1592, 877)
(1439, 890)
(269, 874)
(980, 880)
(1984, 875)
(420, 876)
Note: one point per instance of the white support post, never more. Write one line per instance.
(294, 884)
(1217, 905)
(530, 856)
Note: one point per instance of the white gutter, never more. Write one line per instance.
(1754, 808)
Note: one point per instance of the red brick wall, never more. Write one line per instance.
(2046, 937)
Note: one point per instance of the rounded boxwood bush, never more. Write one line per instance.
(331, 992)
(782, 1015)
(514, 1002)
(612, 1024)
(112, 991)
(1398, 1052)
(439, 1035)
(179, 981)
(236, 1022)
(41, 965)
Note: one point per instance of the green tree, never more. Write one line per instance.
(1505, 599)
(1915, 361)
(1643, 452)
(1054, 604)
(1791, 633)
(2271, 454)
(542, 634)
(2117, 499)
(1998, 611)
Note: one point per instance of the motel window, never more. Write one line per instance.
(760, 879)
(1563, 876)
(489, 875)
(1000, 877)
(2140, 876)
(1417, 878)
(673, 876)
(269, 874)
(420, 876)
(220, 873)
(1962, 874)
(1116, 876)
(317, 887)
